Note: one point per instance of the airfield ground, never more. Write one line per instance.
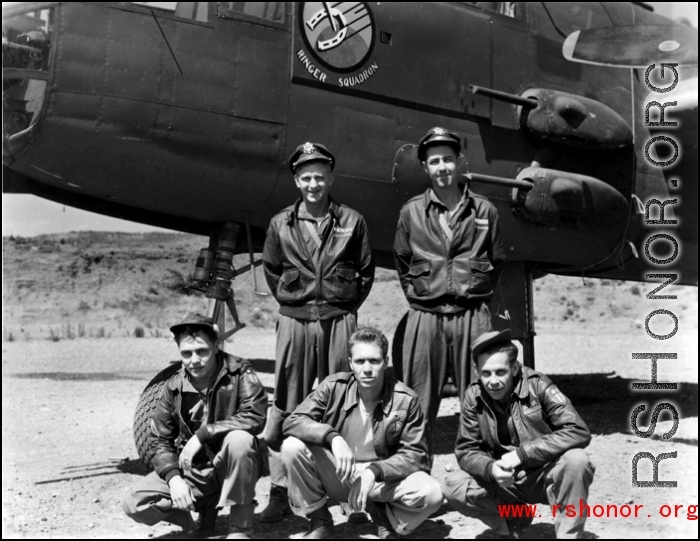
(72, 372)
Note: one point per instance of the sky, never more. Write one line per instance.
(28, 215)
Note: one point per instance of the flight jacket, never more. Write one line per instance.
(397, 423)
(545, 422)
(442, 276)
(237, 401)
(340, 280)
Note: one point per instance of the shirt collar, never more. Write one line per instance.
(295, 214)
(431, 198)
(352, 396)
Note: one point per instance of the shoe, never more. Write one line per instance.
(241, 533)
(377, 510)
(205, 525)
(517, 525)
(319, 529)
(277, 507)
(359, 518)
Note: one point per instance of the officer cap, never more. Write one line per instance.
(489, 339)
(195, 320)
(308, 152)
(438, 136)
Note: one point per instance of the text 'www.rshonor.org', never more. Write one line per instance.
(610, 510)
(669, 279)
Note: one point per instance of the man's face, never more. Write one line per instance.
(368, 365)
(199, 357)
(441, 166)
(496, 374)
(314, 179)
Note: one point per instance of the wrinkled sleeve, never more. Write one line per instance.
(470, 448)
(412, 455)
(250, 414)
(569, 431)
(164, 432)
(402, 254)
(306, 421)
(272, 258)
(497, 255)
(366, 263)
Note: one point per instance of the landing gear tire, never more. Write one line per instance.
(144, 410)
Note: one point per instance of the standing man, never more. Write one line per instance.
(359, 438)
(318, 264)
(202, 443)
(520, 441)
(449, 255)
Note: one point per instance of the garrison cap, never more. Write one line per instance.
(308, 152)
(489, 339)
(438, 136)
(195, 320)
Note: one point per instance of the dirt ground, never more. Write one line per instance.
(68, 455)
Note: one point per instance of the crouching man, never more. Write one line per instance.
(202, 441)
(520, 441)
(360, 438)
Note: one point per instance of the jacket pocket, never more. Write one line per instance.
(419, 273)
(289, 287)
(480, 276)
(344, 284)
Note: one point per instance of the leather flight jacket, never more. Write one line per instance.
(236, 401)
(438, 275)
(544, 426)
(340, 280)
(397, 423)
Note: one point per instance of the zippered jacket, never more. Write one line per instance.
(438, 275)
(545, 426)
(397, 423)
(340, 280)
(236, 401)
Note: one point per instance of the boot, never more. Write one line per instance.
(377, 510)
(277, 507)
(320, 524)
(240, 522)
(205, 526)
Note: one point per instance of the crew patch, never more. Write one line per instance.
(556, 395)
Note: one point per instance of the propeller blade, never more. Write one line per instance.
(633, 46)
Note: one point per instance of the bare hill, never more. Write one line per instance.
(109, 284)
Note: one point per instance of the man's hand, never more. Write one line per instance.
(509, 461)
(344, 459)
(360, 489)
(181, 494)
(503, 477)
(191, 448)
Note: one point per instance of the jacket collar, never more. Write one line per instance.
(352, 397)
(293, 213)
(430, 198)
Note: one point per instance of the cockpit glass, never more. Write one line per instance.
(266, 11)
(26, 40)
(195, 11)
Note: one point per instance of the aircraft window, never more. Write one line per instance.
(26, 40)
(267, 11)
(557, 20)
(195, 11)
(515, 10)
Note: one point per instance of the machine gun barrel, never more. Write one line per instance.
(527, 103)
(500, 181)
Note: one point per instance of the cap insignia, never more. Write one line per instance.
(439, 131)
(308, 148)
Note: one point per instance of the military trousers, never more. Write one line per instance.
(229, 481)
(307, 353)
(564, 481)
(312, 481)
(436, 346)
